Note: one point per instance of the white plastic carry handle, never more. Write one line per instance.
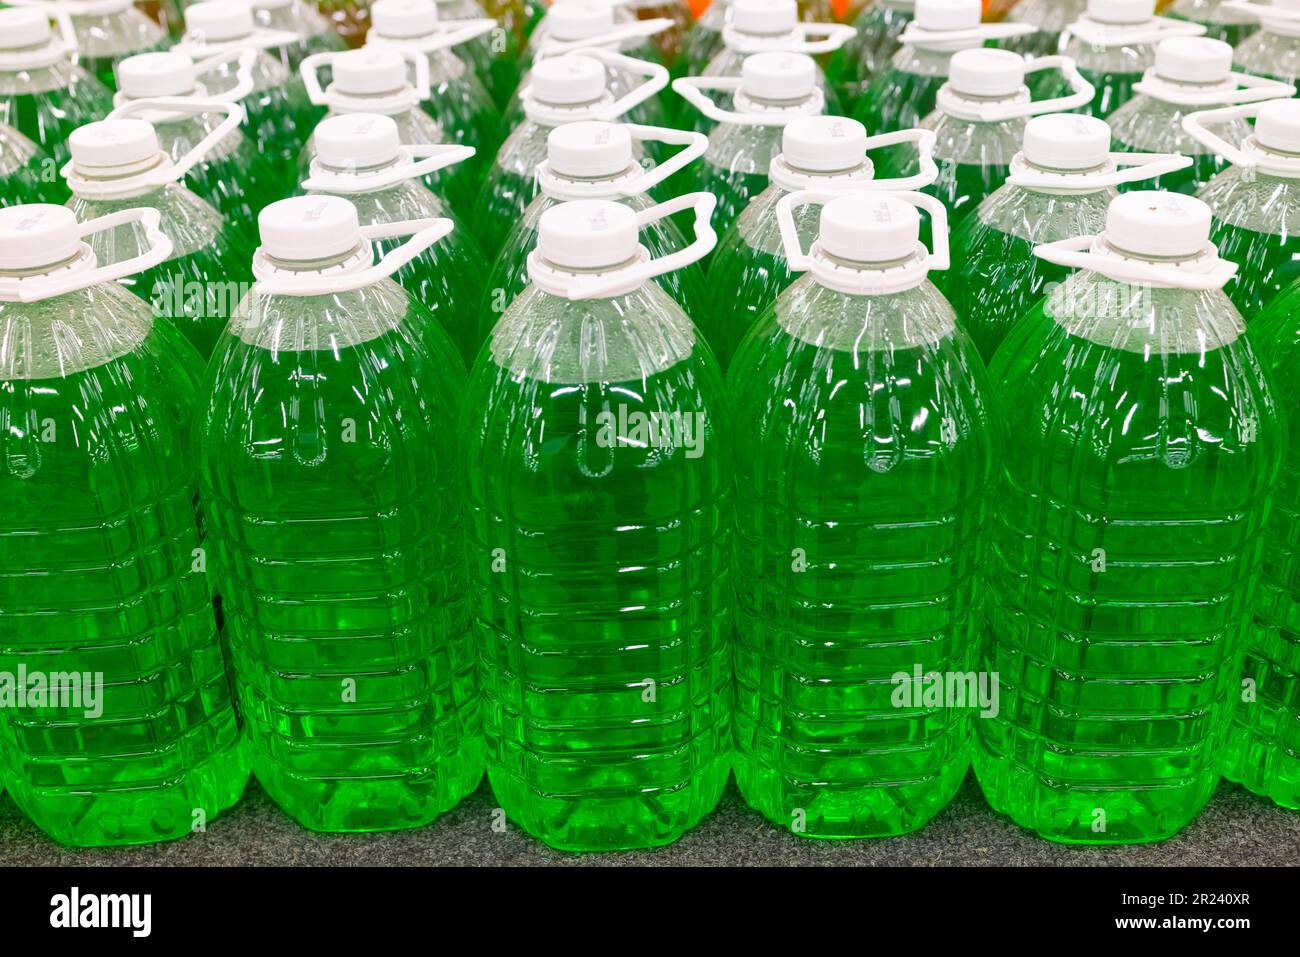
(694, 146)
(692, 89)
(1264, 13)
(996, 111)
(1081, 252)
(262, 38)
(1108, 35)
(632, 30)
(245, 60)
(925, 143)
(421, 161)
(1196, 125)
(600, 286)
(310, 71)
(1250, 89)
(36, 288)
(867, 282)
(915, 35)
(77, 8)
(655, 74)
(447, 34)
(798, 40)
(234, 115)
(423, 232)
(1127, 168)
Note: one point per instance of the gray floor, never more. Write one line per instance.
(1237, 828)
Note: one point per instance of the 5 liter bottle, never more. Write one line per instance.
(861, 494)
(1143, 449)
(330, 486)
(101, 571)
(599, 479)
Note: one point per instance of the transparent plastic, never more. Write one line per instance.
(27, 173)
(1256, 218)
(1148, 125)
(315, 35)
(465, 110)
(1220, 23)
(199, 288)
(600, 568)
(902, 94)
(330, 485)
(854, 66)
(650, 112)
(98, 538)
(1050, 16)
(995, 278)
(48, 103)
(734, 168)
(1269, 54)
(105, 39)
(884, 504)
(1112, 71)
(1127, 542)
(703, 41)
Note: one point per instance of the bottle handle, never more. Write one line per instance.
(801, 260)
(1129, 168)
(914, 35)
(234, 115)
(36, 288)
(1196, 125)
(1080, 253)
(423, 233)
(834, 36)
(655, 79)
(1250, 89)
(194, 46)
(925, 144)
(309, 70)
(693, 147)
(1081, 91)
(692, 90)
(1093, 34)
(426, 159)
(1263, 13)
(246, 59)
(634, 30)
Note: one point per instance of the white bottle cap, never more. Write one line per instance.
(587, 234)
(1277, 125)
(308, 228)
(113, 147)
(869, 228)
(272, 4)
(1193, 60)
(1066, 141)
(156, 74)
(579, 19)
(986, 72)
(219, 20)
(1121, 11)
(1157, 225)
(37, 235)
(589, 150)
(368, 71)
(402, 19)
(945, 15)
(356, 140)
(764, 17)
(778, 76)
(24, 27)
(824, 144)
(567, 80)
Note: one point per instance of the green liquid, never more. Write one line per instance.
(446, 281)
(1112, 90)
(1263, 752)
(844, 466)
(465, 109)
(1229, 33)
(1204, 168)
(896, 100)
(962, 187)
(501, 204)
(994, 281)
(97, 540)
(341, 572)
(1266, 264)
(853, 66)
(1117, 685)
(34, 181)
(744, 282)
(280, 121)
(239, 184)
(603, 644)
(49, 117)
(733, 190)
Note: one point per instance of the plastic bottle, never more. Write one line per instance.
(599, 541)
(376, 80)
(280, 115)
(361, 158)
(1190, 73)
(749, 269)
(457, 99)
(1048, 18)
(302, 19)
(43, 93)
(1221, 18)
(1114, 43)
(97, 542)
(577, 26)
(171, 92)
(495, 57)
(27, 174)
(903, 93)
(772, 26)
(877, 32)
(589, 161)
(1256, 201)
(571, 88)
(329, 482)
(870, 457)
(1128, 532)
(117, 164)
(1274, 50)
(703, 40)
(1061, 184)
(979, 122)
(109, 31)
(772, 90)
